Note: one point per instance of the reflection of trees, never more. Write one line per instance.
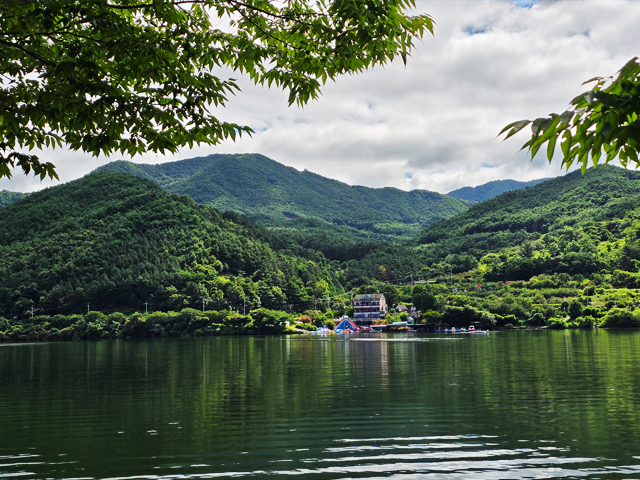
(230, 391)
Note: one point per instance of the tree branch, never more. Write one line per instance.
(28, 52)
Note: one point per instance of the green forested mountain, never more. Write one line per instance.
(7, 197)
(279, 196)
(578, 224)
(491, 189)
(115, 241)
(564, 252)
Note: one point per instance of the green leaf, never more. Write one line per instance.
(515, 127)
(551, 147)
(119, 76)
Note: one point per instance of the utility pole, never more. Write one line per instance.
(587, 291)
(146, 307)
(244, 305)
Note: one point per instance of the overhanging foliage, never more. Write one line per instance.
(144, 75)
(603, 120)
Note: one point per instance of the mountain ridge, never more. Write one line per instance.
(8, 197)
(492, 189)
(273, 194)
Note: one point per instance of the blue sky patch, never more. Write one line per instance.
(475, 30)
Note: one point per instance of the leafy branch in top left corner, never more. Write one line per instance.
(132, 76)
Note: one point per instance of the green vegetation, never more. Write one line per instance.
(188, 322)
(549, 301)
(603, 120)
(116, 241)
(574, 224)
(562, 254)
(133, 77)
(530, 257)
(7, 197)
(316, 207)
(491, 189)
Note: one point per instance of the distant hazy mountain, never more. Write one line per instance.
(7, 197)
(275, 195)
(491, 189)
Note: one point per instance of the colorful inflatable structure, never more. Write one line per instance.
(346, 326)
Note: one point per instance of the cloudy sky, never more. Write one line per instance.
(433, 124)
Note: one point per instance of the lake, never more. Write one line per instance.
(510, 405)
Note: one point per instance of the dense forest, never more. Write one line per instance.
(115, 241)
(565, 252)
(274, 195)
(7, 197)
(576, 224)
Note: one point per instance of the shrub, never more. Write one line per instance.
(536, 319)
(575, 309)
(330, 324)
(464, 316)
(504, 320)
(431, 316)
(557, 323)
(592, 312)
(621, 318)
(309, 327)
(236, 324)
(585, 322)
(270, 321)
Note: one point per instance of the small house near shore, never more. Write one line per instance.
(409, 309)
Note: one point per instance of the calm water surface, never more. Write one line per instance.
(511, 405)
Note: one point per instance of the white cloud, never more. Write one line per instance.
(433, 124)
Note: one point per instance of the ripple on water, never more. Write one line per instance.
(512, 406)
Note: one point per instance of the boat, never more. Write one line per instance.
(322, 331)
(473, 330)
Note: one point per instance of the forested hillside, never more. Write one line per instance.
(116, 241)
(574, 224)
(7, 197)
(561, 254)
(278, 196)
(491, 189)
(529, 257)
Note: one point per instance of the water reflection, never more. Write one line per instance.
(509, 405)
